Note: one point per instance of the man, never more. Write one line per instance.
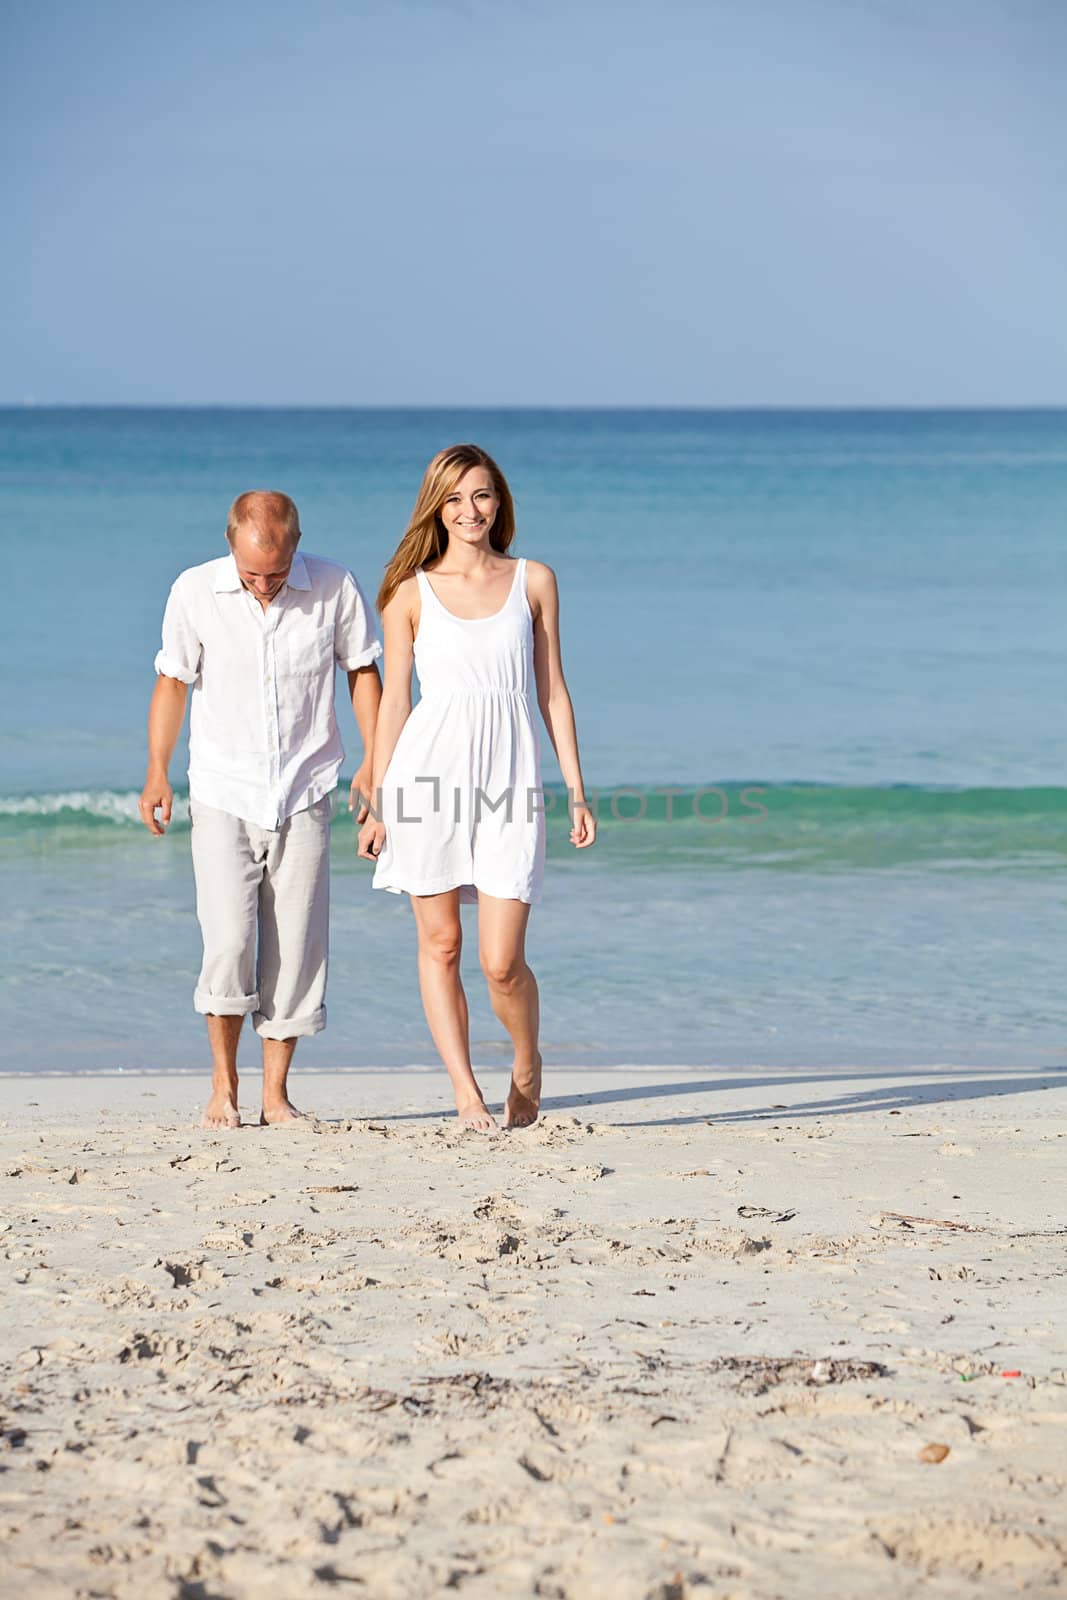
(258, 634)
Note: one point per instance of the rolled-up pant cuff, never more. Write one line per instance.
(294, 1028)
(224, 1005)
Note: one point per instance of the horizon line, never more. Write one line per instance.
(754, 408)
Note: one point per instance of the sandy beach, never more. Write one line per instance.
(692, 1334)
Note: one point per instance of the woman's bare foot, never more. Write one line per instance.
(524, 1097)
(278, 1112)
(221, 1110)
(475, 1114)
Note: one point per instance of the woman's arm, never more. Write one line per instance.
(553, 696)
(400, 621)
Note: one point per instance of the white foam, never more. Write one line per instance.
(107, 804)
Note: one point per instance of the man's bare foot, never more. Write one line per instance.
(524, 1097)
(221, 1110)
(271, 1115)
(477, 1116)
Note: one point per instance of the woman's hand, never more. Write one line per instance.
(359, 794)
(583, 833)
(371, 839)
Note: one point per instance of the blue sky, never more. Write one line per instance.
(525, 202)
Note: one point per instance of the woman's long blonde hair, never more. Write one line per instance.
(426, 539)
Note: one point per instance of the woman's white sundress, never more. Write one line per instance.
(461, 798)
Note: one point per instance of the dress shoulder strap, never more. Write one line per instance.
(426, 594)
(520, 588)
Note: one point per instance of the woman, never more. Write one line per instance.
(461, 810)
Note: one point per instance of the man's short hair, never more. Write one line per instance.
(269, 511)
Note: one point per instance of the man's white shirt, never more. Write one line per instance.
(263, 736)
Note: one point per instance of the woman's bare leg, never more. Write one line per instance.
(443, 1000)
(514, 998)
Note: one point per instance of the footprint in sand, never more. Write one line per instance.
(884, 1323)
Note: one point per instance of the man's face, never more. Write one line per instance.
(263, 560)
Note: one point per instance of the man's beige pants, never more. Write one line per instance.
(274, 882)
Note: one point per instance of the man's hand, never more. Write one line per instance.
(165, 717)
(157, 794)
(359, 794)
(371, 839)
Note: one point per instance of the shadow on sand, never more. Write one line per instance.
(892, 1092)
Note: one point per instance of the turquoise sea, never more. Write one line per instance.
(838, 637)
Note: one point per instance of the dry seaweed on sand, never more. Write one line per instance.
(907, 1221)
(758, 1373)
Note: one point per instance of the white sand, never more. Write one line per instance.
(372, 1355)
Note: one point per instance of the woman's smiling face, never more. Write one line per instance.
(470, 510)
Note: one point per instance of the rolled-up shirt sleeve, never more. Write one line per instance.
(355, 641)
(181, 653)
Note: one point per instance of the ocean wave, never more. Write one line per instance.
(793, 826)
(85, 807)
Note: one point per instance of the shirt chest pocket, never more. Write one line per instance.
(307, 653)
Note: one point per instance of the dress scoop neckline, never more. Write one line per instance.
(492, 615)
